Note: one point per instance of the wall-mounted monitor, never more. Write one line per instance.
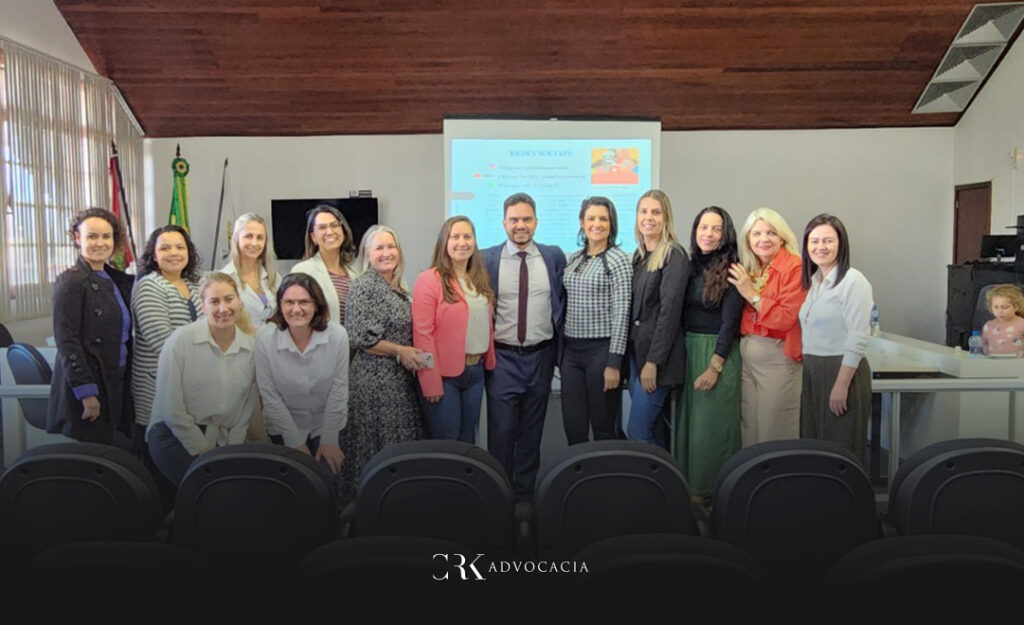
(288, 220)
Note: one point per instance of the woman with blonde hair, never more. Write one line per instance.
(330, 257)
(768, 277)
(453, 319)
(205, 381)
(383, 408)
(657, 353)
(252, 266)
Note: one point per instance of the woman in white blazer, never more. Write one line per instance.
(330, 257)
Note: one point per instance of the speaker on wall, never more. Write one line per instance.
(288, 220)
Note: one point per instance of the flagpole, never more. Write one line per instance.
(124, 200)
(220, 212)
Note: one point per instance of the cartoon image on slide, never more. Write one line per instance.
(614, 166)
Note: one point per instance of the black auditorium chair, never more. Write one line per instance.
(71, 492)
(929, 561)
(693, 562)
(29, 367)
(390, 560)
(596, 490)
(796, 505)
(966, 486)
(146, 562)
(255, 504)
(449, 490)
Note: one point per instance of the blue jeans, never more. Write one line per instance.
(456, 415)
(644, 410)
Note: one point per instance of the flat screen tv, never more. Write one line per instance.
(288, 220)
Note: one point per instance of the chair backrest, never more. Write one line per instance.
(692, 561)
(29, 367)
(122, 560)
(449, 490)
(375, 560)
(71, 492)
(795, 505)
(596, 490)
(967, 486)
(258, 503)
(937, 560)
(6, 340)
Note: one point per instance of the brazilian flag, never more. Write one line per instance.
(179, 197)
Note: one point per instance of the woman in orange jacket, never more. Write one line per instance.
(453, 319)
(768, 277)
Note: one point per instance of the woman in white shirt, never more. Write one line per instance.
(835, 402)
(205, 381)
(252, 267)
(330, 257)
(302, 372)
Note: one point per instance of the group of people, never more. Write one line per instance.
(339, 359)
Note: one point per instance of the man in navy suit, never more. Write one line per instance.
(528, 319)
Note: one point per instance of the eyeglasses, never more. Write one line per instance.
(291, 303)
(321, 228)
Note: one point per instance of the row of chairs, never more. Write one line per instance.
(792, 507)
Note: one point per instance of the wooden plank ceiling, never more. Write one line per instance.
(287, 67)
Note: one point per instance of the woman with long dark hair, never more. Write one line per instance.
(708, 423)
(453, 319)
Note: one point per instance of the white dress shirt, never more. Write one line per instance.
(835, 319)
(538, 303)
(305, 393)
(199, 385)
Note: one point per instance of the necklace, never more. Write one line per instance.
(760, 280)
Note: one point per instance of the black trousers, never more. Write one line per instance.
(585, 404)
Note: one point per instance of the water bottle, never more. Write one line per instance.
(975, 344)
(876, 328)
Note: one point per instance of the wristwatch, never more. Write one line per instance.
(754, 300)
(716, 366)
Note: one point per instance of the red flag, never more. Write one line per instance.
(123, 257)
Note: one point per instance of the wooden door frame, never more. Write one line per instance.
(956, 208)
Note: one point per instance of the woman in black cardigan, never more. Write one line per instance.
(657, 354)
(90, 396)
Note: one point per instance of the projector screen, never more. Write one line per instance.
(559, 163)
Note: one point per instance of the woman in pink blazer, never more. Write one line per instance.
(453, 319)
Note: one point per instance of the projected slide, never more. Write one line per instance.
(557, 173)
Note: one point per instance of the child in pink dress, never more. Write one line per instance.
(1004, 335)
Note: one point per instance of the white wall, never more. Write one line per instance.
(986, 135)
(38, 24)
(403, 171)
(890, 186)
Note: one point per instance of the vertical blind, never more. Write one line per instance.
(57, 123)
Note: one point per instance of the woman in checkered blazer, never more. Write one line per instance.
(598, 285)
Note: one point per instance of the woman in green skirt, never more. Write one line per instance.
(708, 423)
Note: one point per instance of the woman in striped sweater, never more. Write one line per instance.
(166, 297)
